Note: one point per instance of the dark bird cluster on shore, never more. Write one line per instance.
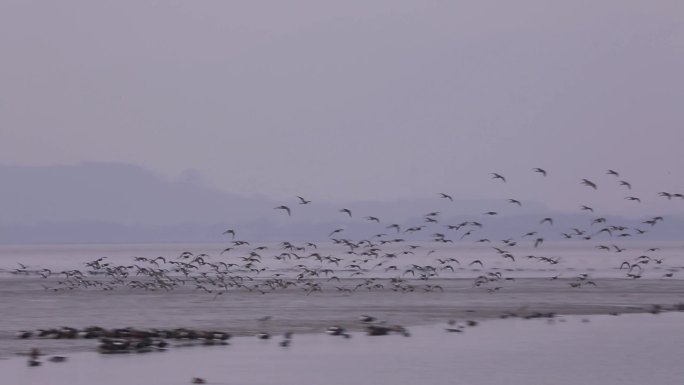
(126, 340)
(132, 340)
(95, 332)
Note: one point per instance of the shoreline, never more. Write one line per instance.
(50, 346)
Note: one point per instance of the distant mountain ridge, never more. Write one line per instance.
(115, 192)
(122, 203)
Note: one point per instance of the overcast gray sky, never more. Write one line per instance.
(351, 100)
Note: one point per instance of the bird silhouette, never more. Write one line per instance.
(476, 262)
(303, 201)
(284, 208)
(539, 170)
(548, 220)
(498, 176)
(335, 232)
(665, 194)
(446, 196)
(394, 226)
(589, 183)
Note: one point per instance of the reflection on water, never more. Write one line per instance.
(630, 349)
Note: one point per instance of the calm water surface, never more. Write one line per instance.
(633, 349)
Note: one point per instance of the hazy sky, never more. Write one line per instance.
(351, 100)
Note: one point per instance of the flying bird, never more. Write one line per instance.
(665, 194)
(394, 226)
(633, 199)
(446, 196)
(346, 211)
(584, 207)
(626, 184)
(598, 220)
(230, 231)
(539, 170)
(303, 201)
(335, 232)
(283, 208)
(613, 172)
(498, 176)
(589, 183)
(515, 201)
(628, 265)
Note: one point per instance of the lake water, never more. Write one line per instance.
(633, 349)
(581, 280)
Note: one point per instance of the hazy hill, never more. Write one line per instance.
(111, 202)
(112, 192)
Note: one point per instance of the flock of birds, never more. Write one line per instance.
(373, 263)
(415, 257)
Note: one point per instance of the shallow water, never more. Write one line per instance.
(630, 349)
